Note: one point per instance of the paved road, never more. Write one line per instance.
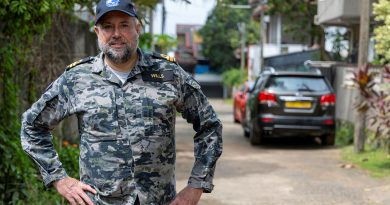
(294, 173)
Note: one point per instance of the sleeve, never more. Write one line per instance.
(37, 122)
(196, 109)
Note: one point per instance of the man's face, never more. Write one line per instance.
(118, 35)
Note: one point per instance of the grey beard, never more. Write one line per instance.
(114, 56)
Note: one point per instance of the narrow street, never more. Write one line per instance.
(278, 173)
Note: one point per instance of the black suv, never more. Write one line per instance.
(290, 104)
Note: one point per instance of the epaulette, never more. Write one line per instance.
(163, 56)
(81, 61)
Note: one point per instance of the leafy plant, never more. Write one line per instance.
(376, 99)
(344, 133)
(145, 41)
(365, 83)
(233, 77)
(164, 42)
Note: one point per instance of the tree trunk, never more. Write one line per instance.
(359, 135)
(359, 130)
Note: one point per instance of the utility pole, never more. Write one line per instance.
(242, 29)
(360, 124)
(260, 7)
(163, 19)
(151, 18)
(262, 34)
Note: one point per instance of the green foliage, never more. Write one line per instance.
(344, 133)
(69, 156)
(338, 43)
(20, 21)
(221, 36)
(381, 104)
(298, 18)
(376, 100)
(145, 41)
(381, 10)
(165, 42)
(149, 3)
(233, 77)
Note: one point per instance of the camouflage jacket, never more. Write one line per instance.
(127, 130)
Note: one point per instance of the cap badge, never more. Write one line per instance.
(112, 3)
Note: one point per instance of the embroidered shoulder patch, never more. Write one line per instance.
(163, 56)
(81, 61)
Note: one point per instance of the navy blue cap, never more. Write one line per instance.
(105, 6)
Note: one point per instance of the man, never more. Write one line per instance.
(126, 103)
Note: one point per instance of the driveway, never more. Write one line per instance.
(297, 172)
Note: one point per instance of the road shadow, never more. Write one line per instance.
(294, 143)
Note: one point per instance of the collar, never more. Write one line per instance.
(98, 63)
(144, 60)
(99, 67)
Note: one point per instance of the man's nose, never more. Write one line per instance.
(117, 32)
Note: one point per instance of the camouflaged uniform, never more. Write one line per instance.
(127, 131)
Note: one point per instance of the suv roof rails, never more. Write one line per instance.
(269, 69)
(308, 64)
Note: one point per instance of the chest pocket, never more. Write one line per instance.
(100, 118)
(157, 108)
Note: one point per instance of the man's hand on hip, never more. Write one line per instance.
(74, 191)
(187, 196)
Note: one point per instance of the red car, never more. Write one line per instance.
(239, 102)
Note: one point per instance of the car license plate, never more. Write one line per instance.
(297, 104)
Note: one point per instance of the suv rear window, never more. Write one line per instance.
(297, 83)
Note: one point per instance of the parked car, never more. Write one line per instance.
(290, 104)
(239, 102)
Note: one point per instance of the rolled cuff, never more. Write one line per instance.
(49, 179)
(199, 184)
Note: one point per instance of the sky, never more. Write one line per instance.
(178, 12)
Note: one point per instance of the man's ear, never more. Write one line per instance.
(95, 28)
(138, 28)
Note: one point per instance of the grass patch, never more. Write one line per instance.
(375, 161)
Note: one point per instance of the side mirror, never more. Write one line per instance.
(251, 89)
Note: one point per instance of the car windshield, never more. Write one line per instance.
(297, 83)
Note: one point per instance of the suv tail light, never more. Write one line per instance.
(267, 98)
(267, 119)
(328, 122)
(328, 100)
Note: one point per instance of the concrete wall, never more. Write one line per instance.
(340, 78)
(345, 95)
(339, 12)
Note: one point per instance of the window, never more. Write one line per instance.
(297, 83)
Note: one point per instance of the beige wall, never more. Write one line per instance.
(345, 94)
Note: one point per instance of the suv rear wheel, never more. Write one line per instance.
(246, 133)
(328, 140)
(254, 135)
